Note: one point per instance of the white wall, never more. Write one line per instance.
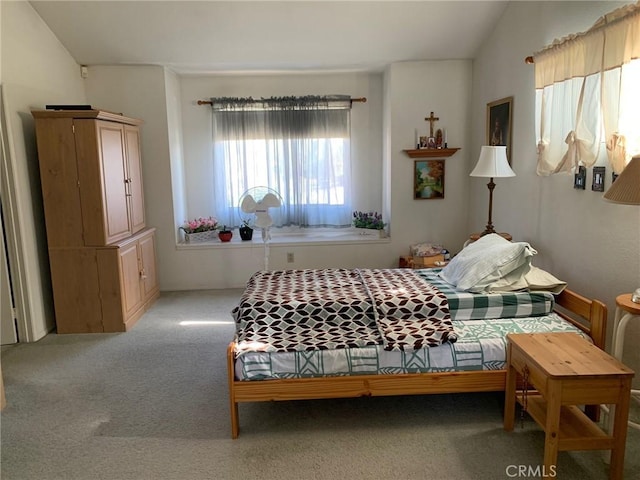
(582, 239)
(176, 156)
(414, 90)
(139, 92)
(36, 71)
(366, 125)
(592, 244)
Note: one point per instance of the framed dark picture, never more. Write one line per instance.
(499, 115)
(580, 178)
(597, 185)
(428, 179)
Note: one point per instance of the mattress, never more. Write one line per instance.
(481, 345)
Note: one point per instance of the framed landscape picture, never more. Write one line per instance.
(499, 123)
(428, 179)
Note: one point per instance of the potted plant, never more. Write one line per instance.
(225, 235)
(199, 229)
(368, 221)
(246, 232)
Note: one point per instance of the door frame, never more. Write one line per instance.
(15, 250)
(8, 329)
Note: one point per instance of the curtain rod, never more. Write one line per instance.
(604, 21)
(359, 99)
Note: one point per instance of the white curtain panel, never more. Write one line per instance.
(587, 96)
(299, 147)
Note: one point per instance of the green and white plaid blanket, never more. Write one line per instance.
(474, 306)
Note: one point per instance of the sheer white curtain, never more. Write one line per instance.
(587, 95)
(297, 146)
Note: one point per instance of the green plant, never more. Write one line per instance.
(224, 229)
(245, 223)
(372, 220)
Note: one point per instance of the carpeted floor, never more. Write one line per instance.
(153, 404)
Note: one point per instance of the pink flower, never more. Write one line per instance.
(200, 224)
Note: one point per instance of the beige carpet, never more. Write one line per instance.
(152, 404)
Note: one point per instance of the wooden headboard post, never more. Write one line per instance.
(594, 312)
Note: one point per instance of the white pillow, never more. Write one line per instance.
(486, 260)
(534, 280)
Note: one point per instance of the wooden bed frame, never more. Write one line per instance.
(590, 316)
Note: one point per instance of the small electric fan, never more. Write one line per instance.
(258, 200)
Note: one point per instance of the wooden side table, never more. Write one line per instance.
(567, 370)
(626, 311)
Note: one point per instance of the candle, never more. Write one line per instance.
(416, 139)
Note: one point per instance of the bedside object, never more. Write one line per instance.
(626, 191)
(626, 311)
(435, 261)
(567, 370)
(492, 164)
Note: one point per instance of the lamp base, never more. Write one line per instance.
(635, 296)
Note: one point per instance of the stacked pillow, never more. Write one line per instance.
(489, 260)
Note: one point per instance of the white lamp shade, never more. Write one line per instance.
(493, 163)
(626, 188)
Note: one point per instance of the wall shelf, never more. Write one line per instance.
(431, 152)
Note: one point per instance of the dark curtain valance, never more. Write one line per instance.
(308, 102)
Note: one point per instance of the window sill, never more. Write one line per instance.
(310, 238)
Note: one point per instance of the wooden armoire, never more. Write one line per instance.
(101, 254)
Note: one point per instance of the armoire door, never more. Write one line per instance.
(134, 178)
(148, 260)
(111, 145)
(130, 271)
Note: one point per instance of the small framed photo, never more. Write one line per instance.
(580, 178)
(499, 115)
(431, 143)
(424, 142)
(428, 179)
(597, 185)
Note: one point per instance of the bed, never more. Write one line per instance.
(336, 333)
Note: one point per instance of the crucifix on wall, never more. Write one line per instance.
(433, 140)
(431, 119)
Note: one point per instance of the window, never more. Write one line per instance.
(587, 96)
(297, 146)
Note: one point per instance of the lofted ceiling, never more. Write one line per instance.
(269, 36)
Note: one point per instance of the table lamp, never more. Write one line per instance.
(492, 163)
(626, 191)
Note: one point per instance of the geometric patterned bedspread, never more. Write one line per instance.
(480, 346)
(329, 309)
